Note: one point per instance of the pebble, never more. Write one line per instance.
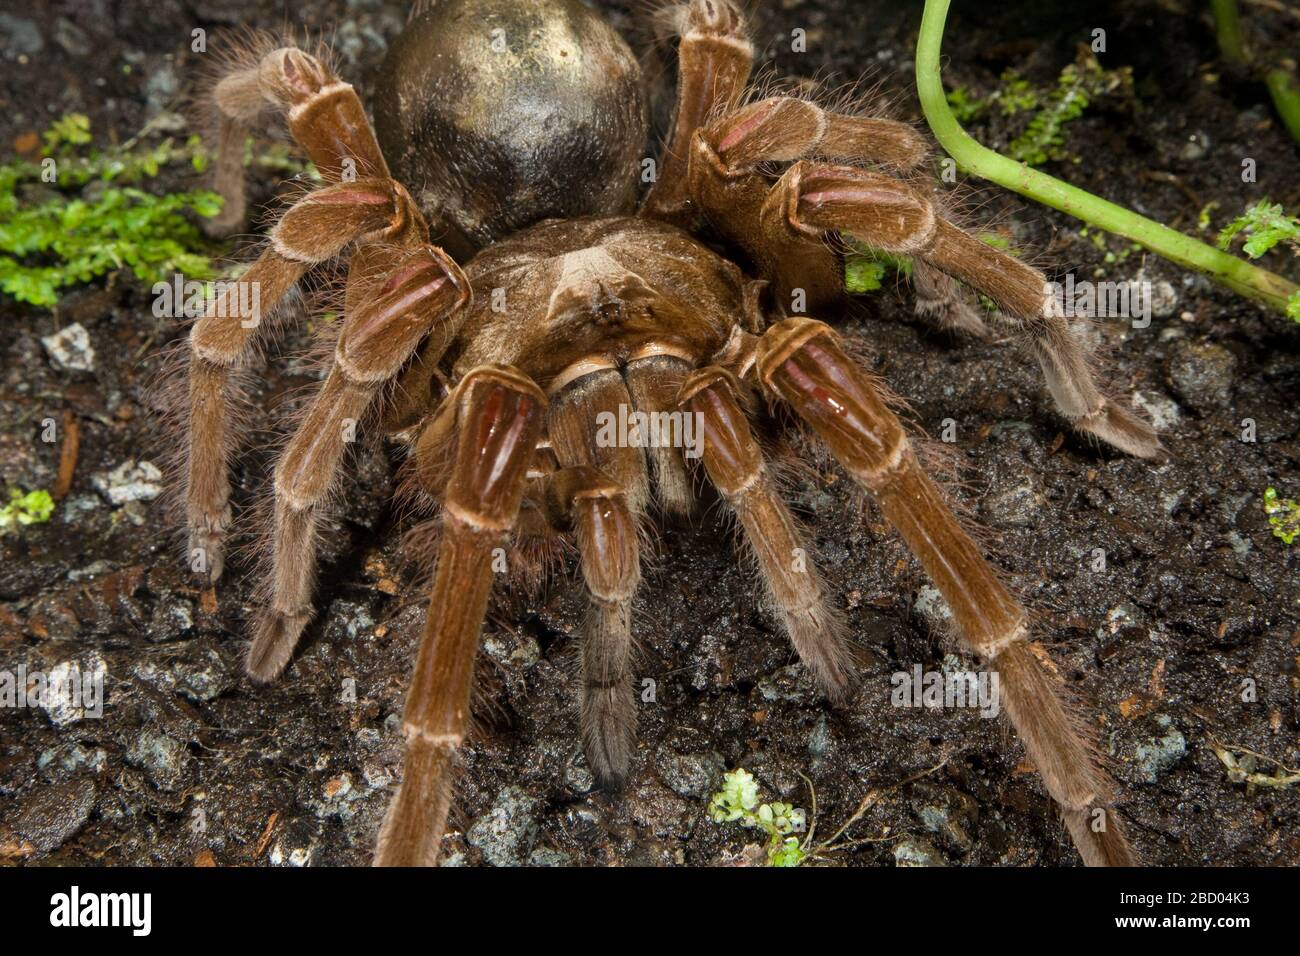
(1163, 412)
(19, 37)
(1014, 506)
(930, 604)
(577, 775)
(170, 621)
(1201, 374)
(696, 775)
(162, 758)
(506, 833)
(1160, 754)
(791, 684)
(70, 348)
(54, 814)
(130, 481)
(79, 679)
(912, 851)
(545, 856)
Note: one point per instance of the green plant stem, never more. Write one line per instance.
(1238, 275)
(1227, 28)
(1282, 84)
(1285, 90)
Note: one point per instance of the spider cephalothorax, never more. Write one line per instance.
(518, 129)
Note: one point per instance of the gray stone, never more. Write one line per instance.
(1201, 374)
(129, 481)
(1160, 754)
(70, 348)
(54, 814)
(913, 851)
(696, 775)
(506, 833)
(160, 756)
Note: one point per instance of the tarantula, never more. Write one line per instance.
(514, 134)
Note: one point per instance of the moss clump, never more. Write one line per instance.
(737, 801)
(24, 508)
(79, 214)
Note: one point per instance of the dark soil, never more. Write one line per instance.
(192, 763)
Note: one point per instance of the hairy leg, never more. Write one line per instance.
(714, 57)
(595, 510)
(815, 200)
(800, 361)
(324, 115)
(315, 229)
(499, 415)
(736, 468)
(390, 308)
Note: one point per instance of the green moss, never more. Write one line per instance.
(1283, 516)
(1266, 225)
(32, 507)
(82, 213)
(737, 801)
(1043, 140)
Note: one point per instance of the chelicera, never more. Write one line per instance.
(514, 134)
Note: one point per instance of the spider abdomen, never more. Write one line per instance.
(498, 114)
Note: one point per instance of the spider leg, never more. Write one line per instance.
(941, 299)
(813, 200)
(714, 57)
(727, 181)
(800, 361)
(499, 417)
(653, 382)
(389, 309)
(735, 466)
(324, 115)
(595, 509)
(315, 229)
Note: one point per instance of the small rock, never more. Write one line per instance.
(792, 684)
(70, 348)
(161, 757)
(577, 775)
(913, 851)
(513, 648)
(821, 742)
(505, 834)
(1201, 374)
(171, 621)
(19, 37)
(1016, 506)
(1160, 754)
(1163, 412)
(695, 775)
(74, 690)
(129, 481)
(545, 856)
(53, 815)
(1164, 299)
(931, 605)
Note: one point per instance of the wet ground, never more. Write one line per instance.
(1197, 605)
